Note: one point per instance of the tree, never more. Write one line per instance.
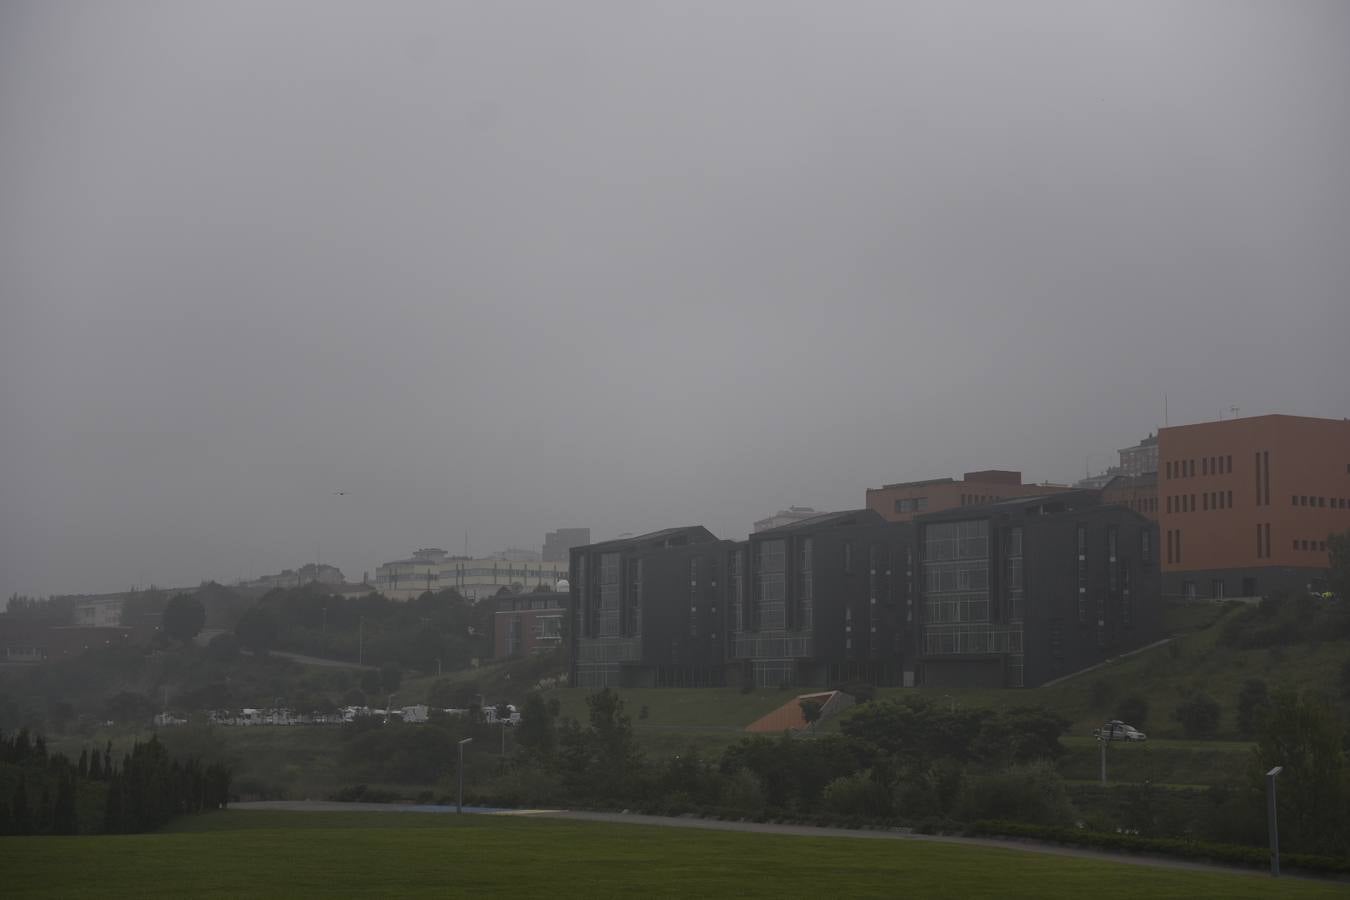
(391, 676)
(223, 647)
(1303, 734)
(1252, 701)
(1133, 710)
(811, 712)
(1199, 716)
(370, 681)
(537, 732)
(257, 630)
(183, 617)
(1338, 572)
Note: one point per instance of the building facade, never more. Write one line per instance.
(525, 624)
(906, 501)
(433, 569)
(1246, 505)
(1134, 492)
(1018, 593)
(558, 544)
(648, 611)
(1140, 459)
(825, 600)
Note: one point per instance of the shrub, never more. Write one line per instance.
(1134, 710)
(1252, 702)
(859, 794)
(1034, 793)
(743, 791)
(1199, 716)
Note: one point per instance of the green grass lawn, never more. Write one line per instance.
(284, 854)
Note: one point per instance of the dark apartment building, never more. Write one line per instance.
(1018, 593)
(1246, 505)
(557, 544)
(528, 623)
(648, 611)
(824, 600)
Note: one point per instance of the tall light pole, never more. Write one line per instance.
(459, 803)
(1274, 828)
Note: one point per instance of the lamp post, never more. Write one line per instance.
(1270, 815)
(459, 803)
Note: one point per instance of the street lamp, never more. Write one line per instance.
(459, 804)
(1274, 828)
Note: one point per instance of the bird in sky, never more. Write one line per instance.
(339, 493)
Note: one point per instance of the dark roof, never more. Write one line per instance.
(1066, 500)
(828, 520)
(915, 484)
(666, 537)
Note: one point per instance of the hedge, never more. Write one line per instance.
(1178, 847)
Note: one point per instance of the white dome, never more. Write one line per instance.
(562, 586)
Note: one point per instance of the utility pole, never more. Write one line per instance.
(459, 803)
(1270, 815)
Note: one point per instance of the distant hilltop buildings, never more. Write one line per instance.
(433, 569)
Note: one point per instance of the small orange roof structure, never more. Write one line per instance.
(789, 716)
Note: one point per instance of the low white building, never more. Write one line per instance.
(433, 569)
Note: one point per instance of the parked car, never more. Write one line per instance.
(1116, 730)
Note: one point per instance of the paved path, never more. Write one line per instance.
(624, 818)
(319, 660)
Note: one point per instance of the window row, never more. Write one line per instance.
(1317, 546)
(977, 499)
(1184, 503)
(1320, 502)
(911, 504)
(1208, 465)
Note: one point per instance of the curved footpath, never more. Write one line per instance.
(625, 818)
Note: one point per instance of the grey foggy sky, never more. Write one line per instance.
(515, 266)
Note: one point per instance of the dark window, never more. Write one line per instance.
(1204, 500)
(1293, 500)
(1302, 500)
(1321, 501)
(1204, 465)
(1258, 477)
(1192, 503)
(1267, 539)
(1265, 455)
(1178, 546)
(1295, 543)
(1322, 545)
(1229, 464)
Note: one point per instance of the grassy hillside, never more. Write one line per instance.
(281, 854)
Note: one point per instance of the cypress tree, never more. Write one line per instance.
(19, 815)
(63, 817)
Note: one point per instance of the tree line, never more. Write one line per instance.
(48, 793)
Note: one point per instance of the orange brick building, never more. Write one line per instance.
(903, 501)
(1245, 506)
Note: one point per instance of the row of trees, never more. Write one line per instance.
(47, 793)
(914, 761)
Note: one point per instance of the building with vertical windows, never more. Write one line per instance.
(1136, 492)
(1140, 459)
(1018, 593)
(824, 600)
(648, 611)
(524, 624)
(1246, 505)
(905, 501)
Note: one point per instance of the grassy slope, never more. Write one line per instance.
(299, 854)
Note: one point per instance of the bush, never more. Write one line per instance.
(1134, 710)
(1103, 692)
(859, 794)
(1252, 702)
(1033, 793)
(743, 791)
(1199, 716)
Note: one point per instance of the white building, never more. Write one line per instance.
(432, 569)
